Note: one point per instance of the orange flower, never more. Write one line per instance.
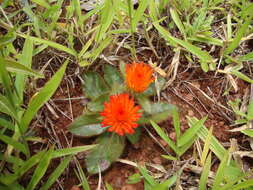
(120, 114)
(138, 76)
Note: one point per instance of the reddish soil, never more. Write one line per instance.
(186, 93)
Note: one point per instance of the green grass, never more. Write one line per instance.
(211, 36)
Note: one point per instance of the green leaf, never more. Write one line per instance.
(42, 3)
(247, 57)
(7, 38)
(14, 186)
(87, 126)
(176, 19)
(145, 103)
(7, 108)
(205, 172)
(40, 170)
(176, 121)
(166, 184)
(97, 105)
(4, 123)
(135, 178)
(112, 75)
(138, 14)
(241, 76)
(56, 173)
(250, 111)
(134, 138)
(215, 146)
(32, 161)
(96, 52)
(207, 39)
(7, 84)
(191, 132)
(94, 85)
(164, 136)
(243, 185)
(220, 172)
(17, 145)
(110, 147)
(42, 97)
(155, 87)
(82, 178)
(146, 176)
(25, 60)
(15, 67)
(51, 44)
(169, 157)
(73, 150)
(158, 113)
(108, 186)
(248, 132)
(202, 55)
(241, 32)
(232, 173)
(107, 15)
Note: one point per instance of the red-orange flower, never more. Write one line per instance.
(138, 76)
(120, 114)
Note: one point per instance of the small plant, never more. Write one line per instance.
(244, 119)
(183, 141)
(119, 103)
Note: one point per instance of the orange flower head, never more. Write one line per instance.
(120, 114)
(138, 76)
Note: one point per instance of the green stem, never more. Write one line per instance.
(132, 30)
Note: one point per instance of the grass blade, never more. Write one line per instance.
(236, 41)
(146, 176)
(51, 44)
(138, 15)
(166, 184)
(57, 172)
(220, 172)
(177, 21)
(164, 136)
(176, 121)
(17, 145)
(215, 146)
(107, 15)
(40, 170)
(81, 176)
(206, 147)
(26, 60)
(15, 67)
(7, 108)
(191, 132)
(205, 172)
(243, 185)
(73, 150)
(43, 96)
(9, 179)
